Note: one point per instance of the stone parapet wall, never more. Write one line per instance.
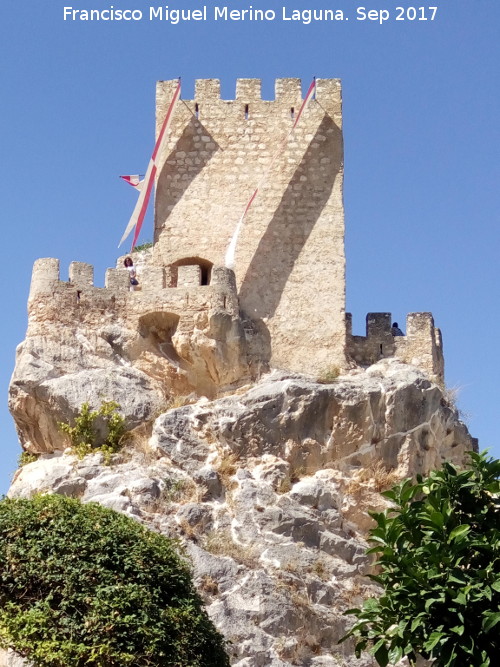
(79, 292)
(421, 346)
(292, 243)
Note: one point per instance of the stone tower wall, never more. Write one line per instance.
(290, 266)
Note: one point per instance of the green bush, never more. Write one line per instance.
(25, 458)
(84, 435)
(143, 246)
(439, 565)
(81, 585)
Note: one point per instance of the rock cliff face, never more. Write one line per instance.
(140, 349)
(267, 487)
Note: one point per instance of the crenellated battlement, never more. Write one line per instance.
(46, 275)
(155, 293)
(250, 90)
(421, 346)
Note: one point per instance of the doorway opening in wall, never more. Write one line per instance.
(204, 264)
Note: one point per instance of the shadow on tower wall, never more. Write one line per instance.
(299, 209)
(174, 179)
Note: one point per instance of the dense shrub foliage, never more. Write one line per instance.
(83, 585)
(439, 561)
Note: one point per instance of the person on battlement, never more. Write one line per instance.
(129, 264)
(395, 330)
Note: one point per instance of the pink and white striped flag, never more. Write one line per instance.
(142, 202)
(135, 180)
(231, 250)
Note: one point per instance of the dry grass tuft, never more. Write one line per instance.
(320, 570)
(137, 445)
(221, 543)
(180, 401)
(357, 593)
(285, 485)
(376, 477)
(175, 491)
(208, 585)
(182, 490)
(450, 400)
(187, 530)
(227, 469)
(329, 375)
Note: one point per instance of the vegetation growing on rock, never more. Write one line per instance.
(84, 435)
(83, 585)
(25, 458)
(439, 558)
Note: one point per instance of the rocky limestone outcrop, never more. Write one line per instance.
(269, 489)
(141, 348)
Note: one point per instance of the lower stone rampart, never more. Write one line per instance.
(421, 346)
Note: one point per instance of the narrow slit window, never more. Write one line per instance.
(196, 110)
(292, 113)
(246, 111)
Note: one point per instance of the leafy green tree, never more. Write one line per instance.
(438, 562)
(83, 585)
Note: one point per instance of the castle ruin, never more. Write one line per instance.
(202, 326)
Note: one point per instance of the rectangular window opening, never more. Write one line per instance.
(246, 111)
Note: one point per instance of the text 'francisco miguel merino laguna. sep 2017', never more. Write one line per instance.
(222, 13)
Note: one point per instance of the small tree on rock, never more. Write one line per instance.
(81, 585)
(438, 554)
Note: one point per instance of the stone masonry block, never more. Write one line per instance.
(45, 276)
(288, 90)
(81, 274)
(117, 279)
(378, 324)
(328, 90)
(419, 325)
(189, 276)
(348, 324)
(224, 277)
(152, 278)
(248, 90)
(207, 89)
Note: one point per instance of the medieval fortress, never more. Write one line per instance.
(201, 325)
(265, 477)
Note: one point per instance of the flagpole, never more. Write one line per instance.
(141, 206)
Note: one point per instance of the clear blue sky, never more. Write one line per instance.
(422, 149)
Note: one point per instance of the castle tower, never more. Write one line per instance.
(290, 263)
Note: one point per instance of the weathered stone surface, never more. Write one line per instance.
(11, 659)
(269, 490)
(294, 231)
(40, 398)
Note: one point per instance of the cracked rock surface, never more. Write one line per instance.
(269, 490)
